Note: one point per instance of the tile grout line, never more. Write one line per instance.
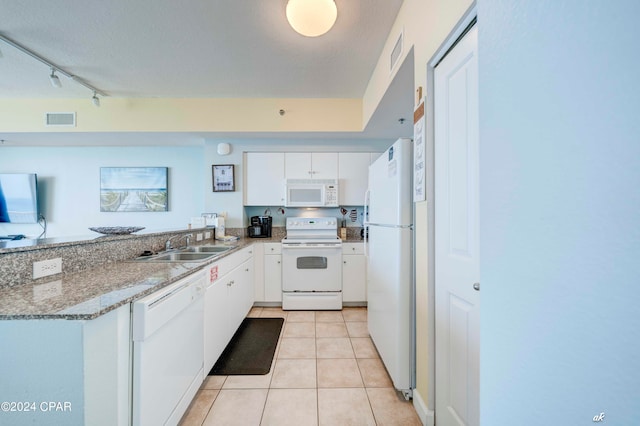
(316, 358)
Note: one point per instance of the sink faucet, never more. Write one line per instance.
(168, 246)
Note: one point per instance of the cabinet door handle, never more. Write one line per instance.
(278, 262)
(344, 261)
(229, 284)
(476, 286)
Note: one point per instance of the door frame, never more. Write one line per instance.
(459, 30)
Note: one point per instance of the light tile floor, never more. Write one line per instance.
(326, 371)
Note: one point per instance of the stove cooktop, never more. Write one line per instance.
(312, 228)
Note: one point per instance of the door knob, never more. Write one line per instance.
(476, 286)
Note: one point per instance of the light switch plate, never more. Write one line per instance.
(44, 268)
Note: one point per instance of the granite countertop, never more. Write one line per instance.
(87, 294)
(93, 292)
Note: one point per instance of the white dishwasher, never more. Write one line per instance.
(168, 351)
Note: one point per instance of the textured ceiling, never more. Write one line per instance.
(168, 48)
(205, 49)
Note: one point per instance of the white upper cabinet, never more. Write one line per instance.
(266, 172)
(353, 172)
(264, 184)
(311, 165)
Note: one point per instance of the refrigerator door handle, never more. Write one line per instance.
(365, 220)
(385, 225)
(366, 237)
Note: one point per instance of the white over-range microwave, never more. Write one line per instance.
(311, 193)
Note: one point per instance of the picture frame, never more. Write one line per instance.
(223, 178)
(134, 189)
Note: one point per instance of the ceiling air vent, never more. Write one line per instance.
(65, 119)
(397, 51)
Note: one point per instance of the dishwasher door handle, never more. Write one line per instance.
(311, 246)
(166, 296)
(152, 312)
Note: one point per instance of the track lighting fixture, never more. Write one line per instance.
(95, 100)
(54, 79)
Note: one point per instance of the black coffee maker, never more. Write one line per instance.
(260, 227)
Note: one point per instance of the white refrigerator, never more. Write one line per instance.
(389, 248)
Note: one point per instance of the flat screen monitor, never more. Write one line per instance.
(18, 198)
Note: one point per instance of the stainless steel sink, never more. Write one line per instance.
(177, 257)
(207, 249)
(187, 254)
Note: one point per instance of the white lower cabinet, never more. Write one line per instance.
(216, 330)
(240, 294)
(354, 273)
(273, 272)
(228, 298)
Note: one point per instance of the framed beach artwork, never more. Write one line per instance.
(133, 189)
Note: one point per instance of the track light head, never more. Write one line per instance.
(95, 99)
(54, 79)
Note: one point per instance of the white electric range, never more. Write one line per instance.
(312, 264)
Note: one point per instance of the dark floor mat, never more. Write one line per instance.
(251, 349)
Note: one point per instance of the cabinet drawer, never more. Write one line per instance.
(244, 254)
(229, 263)
(272, 248)
(352, 248)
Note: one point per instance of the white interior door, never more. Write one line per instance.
(456, 235)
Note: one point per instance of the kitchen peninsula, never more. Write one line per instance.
(67, 337)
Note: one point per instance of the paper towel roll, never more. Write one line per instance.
(219, 224)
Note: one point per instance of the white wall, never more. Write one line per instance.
(231, 202)
(69, 181)
(69, 185)
(560, 211)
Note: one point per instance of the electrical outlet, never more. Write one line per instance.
(199, 236)
(207, 235)
(44, 268)
(47, 291)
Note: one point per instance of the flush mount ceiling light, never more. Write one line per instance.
(311, 18)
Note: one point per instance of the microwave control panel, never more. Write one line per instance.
(331, 195)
